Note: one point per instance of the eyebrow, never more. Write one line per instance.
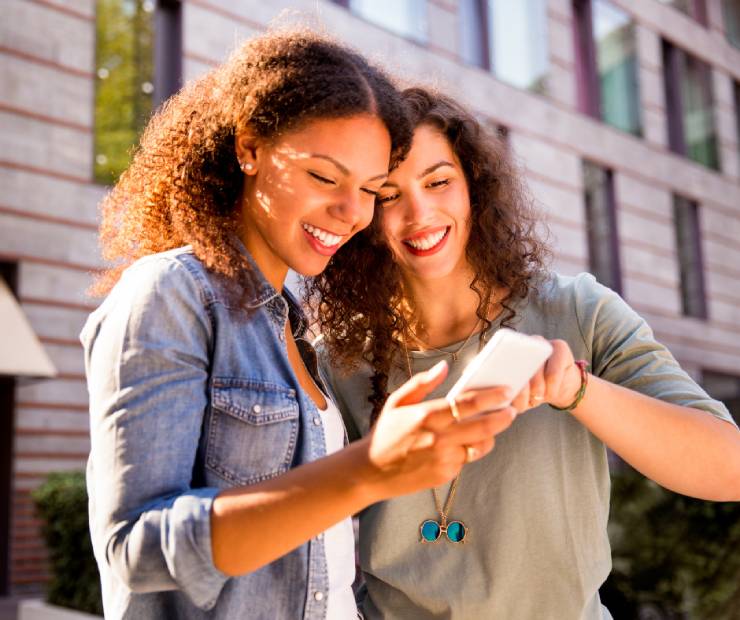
(343, 169)
(426, 171)
(433, 167)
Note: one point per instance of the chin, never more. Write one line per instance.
(310, 268)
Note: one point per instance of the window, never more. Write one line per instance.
(696, 9)
(507, 38)
(688, 244)
(405, 17)
(9, 273)
(731, 16)
(689, 100)
(128, 87)
(723, 387)
(601, 225)
(607, 64)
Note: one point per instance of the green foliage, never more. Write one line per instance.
(672, 553)
(61, 502)
(124, 64)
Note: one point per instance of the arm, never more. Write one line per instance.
(146, 356)
(413, 446)
(147, 363)
(641, 404)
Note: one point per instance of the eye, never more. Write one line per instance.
(386, 199)
(321, 179)
(439, 183)
(369, 191)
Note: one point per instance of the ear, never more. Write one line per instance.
(247, 147)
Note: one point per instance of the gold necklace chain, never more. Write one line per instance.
(455, 354)
(442, 511)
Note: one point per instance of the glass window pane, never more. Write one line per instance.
(517, 34)
(124, 82)
(686, 217)
(473, 45)
(616, 62)
(731, 15)
(405, 17)
(601, 225)
(698, 118)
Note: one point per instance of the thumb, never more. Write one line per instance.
(419, 386)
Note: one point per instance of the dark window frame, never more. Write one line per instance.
(588, 82)
(612, 277)
(675, 66)
(167, 52)
(587, 74)
(690, 258)
(9, 272)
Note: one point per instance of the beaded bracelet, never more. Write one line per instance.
(582, 365)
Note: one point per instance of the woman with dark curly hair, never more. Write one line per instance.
(213, 493)
(452, 255)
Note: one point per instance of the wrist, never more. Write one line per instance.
(579, 380)
(368, 478)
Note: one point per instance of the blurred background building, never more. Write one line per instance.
(624, 114)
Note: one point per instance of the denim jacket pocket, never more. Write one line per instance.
(253, 429)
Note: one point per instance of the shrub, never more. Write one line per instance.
(61, 501)
(674, 556)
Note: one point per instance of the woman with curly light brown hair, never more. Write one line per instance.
(451, 256)
(218, 482)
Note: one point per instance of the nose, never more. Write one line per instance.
(417, 207)
(353, 208)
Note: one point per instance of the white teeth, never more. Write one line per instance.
(427, 242)
(326, 238)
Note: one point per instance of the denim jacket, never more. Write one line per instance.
(190, 395)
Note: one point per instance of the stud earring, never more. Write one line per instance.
(247, 168)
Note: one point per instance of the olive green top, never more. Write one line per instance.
(537, 506)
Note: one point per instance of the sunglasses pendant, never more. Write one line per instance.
(430, 531)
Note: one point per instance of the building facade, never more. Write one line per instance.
(623, 115)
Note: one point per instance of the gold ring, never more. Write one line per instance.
(470, 454)
(454, 409)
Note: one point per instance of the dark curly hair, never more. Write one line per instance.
(358, 301)
(184, 182)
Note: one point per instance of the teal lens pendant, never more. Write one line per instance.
(456, 531)
(430, 531)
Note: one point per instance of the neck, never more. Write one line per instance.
(274, 270)
(444, 309)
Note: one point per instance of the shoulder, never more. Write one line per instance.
(154, 290)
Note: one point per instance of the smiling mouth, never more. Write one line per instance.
(324, 237)
(427, 243)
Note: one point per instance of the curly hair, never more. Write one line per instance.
(184, 182)
(358, 301)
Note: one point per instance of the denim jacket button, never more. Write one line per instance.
(319, 596)
(256, 408)
(317, 420)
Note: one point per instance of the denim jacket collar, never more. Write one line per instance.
(262, 292)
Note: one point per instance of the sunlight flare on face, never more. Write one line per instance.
(312, 189)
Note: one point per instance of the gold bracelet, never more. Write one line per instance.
(582, 366)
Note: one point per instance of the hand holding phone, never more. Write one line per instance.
(509, 358)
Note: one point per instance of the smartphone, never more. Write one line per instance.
(509, 358)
